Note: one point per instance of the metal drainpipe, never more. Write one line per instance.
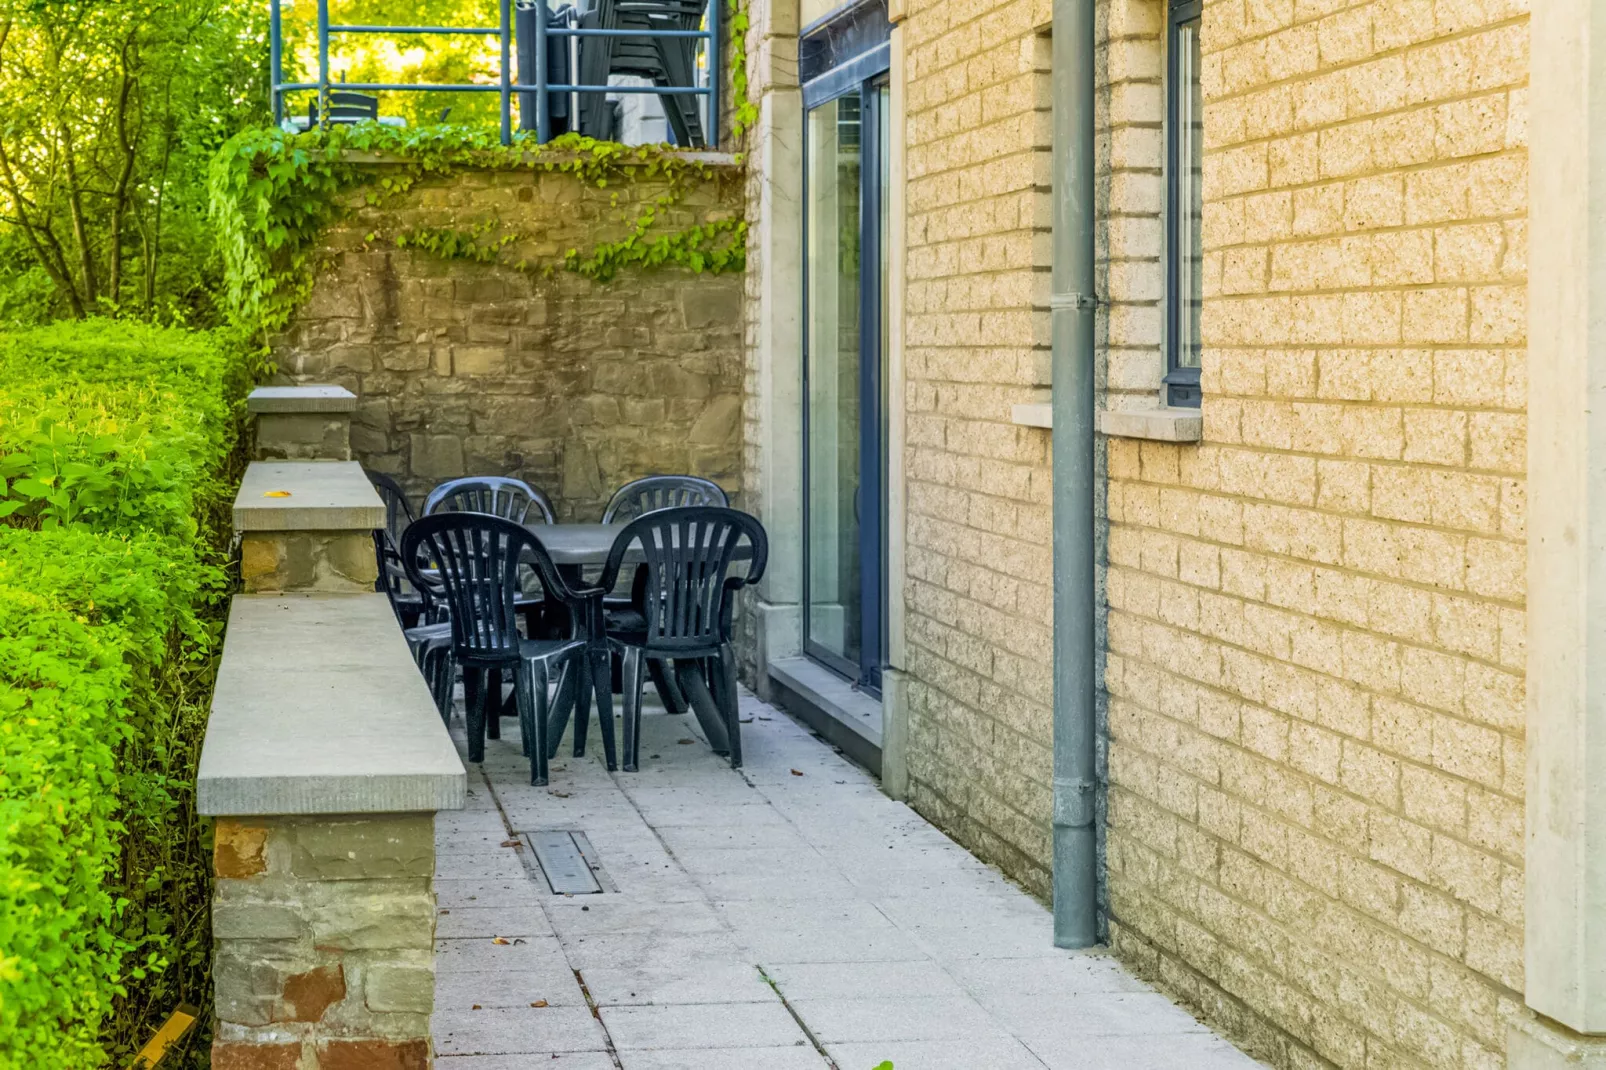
(1074, 307)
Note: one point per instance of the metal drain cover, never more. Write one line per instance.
(567, 860)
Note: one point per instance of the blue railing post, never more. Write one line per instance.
(716, 70)
(507, 96)
(543, 114)
(323, 62)
(275, 61)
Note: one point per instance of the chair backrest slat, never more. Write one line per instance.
(510, 499)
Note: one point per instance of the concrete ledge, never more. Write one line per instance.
(1534, 1043)
(314, 397)
(319, 709)
(322, 496)
(1032, 414)
(1163, 424)
(829, 705)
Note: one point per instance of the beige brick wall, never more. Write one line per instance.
(1315, 632)
(977, 592)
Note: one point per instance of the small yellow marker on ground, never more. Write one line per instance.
(276, 494)
(172, 1031)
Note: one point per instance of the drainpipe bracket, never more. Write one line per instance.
(1075, 302)
(1073, 802)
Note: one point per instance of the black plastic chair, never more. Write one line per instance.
(503, 496)
(477, 563)
(346, 106)
(392, 578)
(684, 612)
(637, 498)
(668, 62)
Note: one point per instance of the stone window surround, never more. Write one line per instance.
(1158, 422)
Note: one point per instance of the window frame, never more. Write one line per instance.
(1180, 387)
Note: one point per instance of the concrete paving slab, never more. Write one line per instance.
(1147, 1053)
(912, 979)
(984, 1054)
(517, 1030)
(486, 893)
(454, 922)
(552, 983)
(467, 954)
(890, 1019)
(1064, 974)
(1062, 1019)
(701, 1025)
(593, 915)
(795, 1057)
(707, 982)
(543, 1060)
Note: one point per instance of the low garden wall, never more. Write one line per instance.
(568, 326)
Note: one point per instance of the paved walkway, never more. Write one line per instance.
(785, 916)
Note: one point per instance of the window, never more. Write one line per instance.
(1184, 204)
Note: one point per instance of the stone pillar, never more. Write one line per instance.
(1565, 903)
(303, 423)
(307, 526)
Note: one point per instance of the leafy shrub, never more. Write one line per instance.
(115, 446)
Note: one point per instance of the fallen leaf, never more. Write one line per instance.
(564, 794)
(475, 1007)
(498, 940)
(276, 494)
(797, 772)
(512, 843)
(652, 755)
(685, 741)
(446, 912)
(539, 1003)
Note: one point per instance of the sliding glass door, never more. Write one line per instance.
(845, 344)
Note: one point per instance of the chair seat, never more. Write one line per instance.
(429, 634)
(548, 649)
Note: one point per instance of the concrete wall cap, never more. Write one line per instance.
(313, 397)
(1161, 424)
(321, 496)
(319, 709)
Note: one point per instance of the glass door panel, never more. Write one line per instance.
(834, 615)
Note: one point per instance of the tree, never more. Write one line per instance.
(109, 110)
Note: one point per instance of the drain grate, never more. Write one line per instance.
(568, 862)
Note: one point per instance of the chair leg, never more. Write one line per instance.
(565, 704)
(539, 773)
(474, 712)
(602, 688)
(632, 699)
(493, 703)
(582, 702)
(663, 680)
(729, 700)
(529, 685)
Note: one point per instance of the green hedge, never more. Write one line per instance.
(116, 444)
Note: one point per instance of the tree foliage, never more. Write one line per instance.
(108, 114)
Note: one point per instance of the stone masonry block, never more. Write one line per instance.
(400, 845)
(370, 916)
(238, 849)
(307, 561)
(373, 1055)
(304, 436)
(247, 1056)
(399, 986)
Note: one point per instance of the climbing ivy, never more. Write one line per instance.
(274, 192)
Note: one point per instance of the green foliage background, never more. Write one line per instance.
(116, 458)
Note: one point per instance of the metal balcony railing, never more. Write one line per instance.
(539, 90)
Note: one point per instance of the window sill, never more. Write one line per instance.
(1162, 424)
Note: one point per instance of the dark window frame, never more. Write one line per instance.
(1181, 384)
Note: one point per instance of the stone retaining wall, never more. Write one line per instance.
(467, 368)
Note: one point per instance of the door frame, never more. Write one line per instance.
(865, 76)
